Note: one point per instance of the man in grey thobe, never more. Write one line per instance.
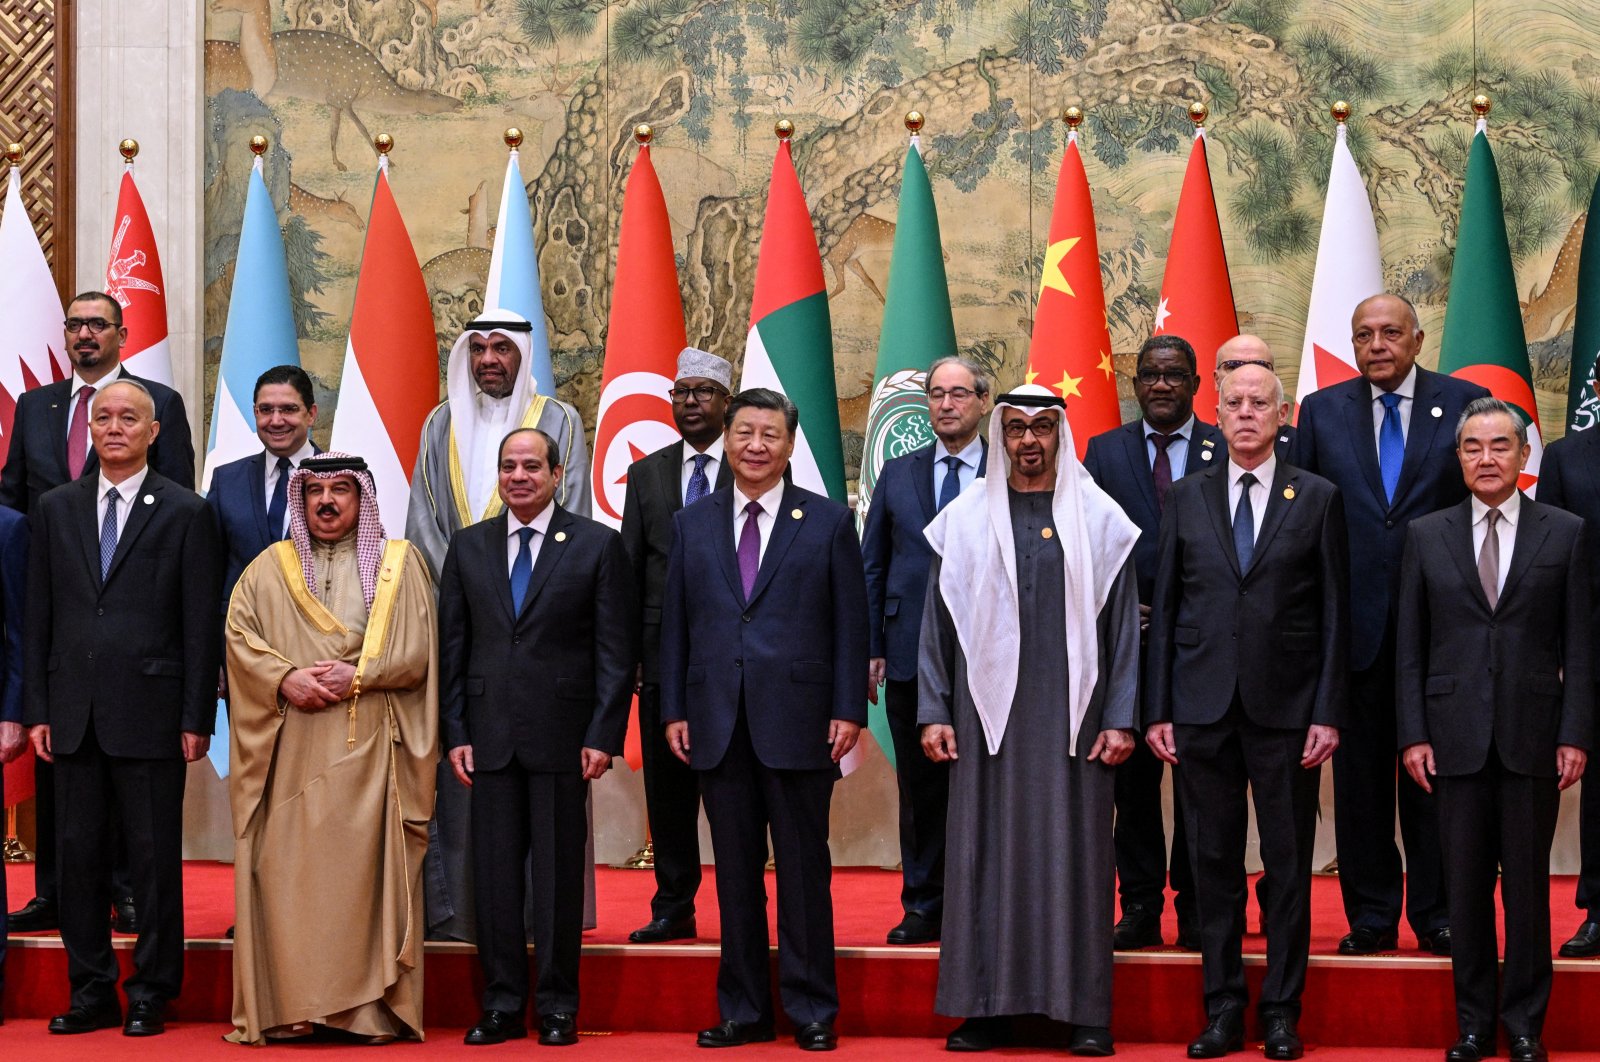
(1030, 660)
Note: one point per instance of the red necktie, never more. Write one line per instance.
(78, 433)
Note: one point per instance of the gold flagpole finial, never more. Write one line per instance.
(258, 145)
(513, 138)
(384, 143)
(1073, 116)
(129, 149)
(1340, 111)
(1198, 113)
(784, 129)
(643, 134)
(914, 122)
(14, 153)
(1481, 104)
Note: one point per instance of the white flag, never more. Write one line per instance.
(32, 348)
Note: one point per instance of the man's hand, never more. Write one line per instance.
(304, 689)
(222, 683)
(638, 677)
(1418, 759)
(1320, 743)
(842, 736)
(337, 678)
(12, 741)
(1570, 761)
(1159, 738)
(40, 736)
(939, 742)
(461, 763)
(194, 745)
(1112, 747)
(678, 740)
(877, 667)
(1144, 623)
(595, 763)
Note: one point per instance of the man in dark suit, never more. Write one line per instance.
(50, 446)
(1495, 708)
(120, 669)
(897, 560)
(659, 485)
(537, 632)
(13, 739)
(763, 660)
(1247, 687)
(1137, 464)
(1384, 440)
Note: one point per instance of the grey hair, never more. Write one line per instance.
(1411, 307)
(980, 382)
(129, 382)
(1277, 384)
(1483, 407)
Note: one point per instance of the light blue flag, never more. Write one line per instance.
(514, 274)
(260, 331)
(218, 752)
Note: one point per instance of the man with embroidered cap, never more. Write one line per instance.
(1029, 686)
(331, 650)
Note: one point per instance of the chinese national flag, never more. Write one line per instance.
(1071, 348)
(1196, 296)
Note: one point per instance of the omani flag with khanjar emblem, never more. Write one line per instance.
(133, 278)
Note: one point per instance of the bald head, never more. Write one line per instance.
(1239, 352)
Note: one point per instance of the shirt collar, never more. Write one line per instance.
(969, 455)
(127, 488)
(79, 383)
(1510, 509)
(1263, 472)
(305, 451)
(769, 501)
(1183, 433)
(1407, 388)
(714, 451)
(540, 523)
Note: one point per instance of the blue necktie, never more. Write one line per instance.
(280, 499)
(108, 532)
(952, 481)
(1391, 445)
(521, 569)
(699, 486)
(1244, 524)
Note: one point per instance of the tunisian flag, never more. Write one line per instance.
(390, 380)
(1196, 295)
(133, 278)
(1071, 348)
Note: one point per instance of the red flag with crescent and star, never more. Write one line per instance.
(1070, 352)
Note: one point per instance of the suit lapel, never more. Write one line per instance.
(1204, 439)
(60, 395)
(1421, 431)
(670, 475)
(1280, 498)
(88, 526)
(1358, 420)
(727, 552)
(1526, 543)
(1214, 489)
(1139, 471)
(922, 481)
(551, 550)
(494, 563)
(785, 526)
(1458, 541)
(256, 480)
(143, 507)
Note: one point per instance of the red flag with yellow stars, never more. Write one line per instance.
(1071, 348)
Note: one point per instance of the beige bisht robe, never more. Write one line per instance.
(331, 808)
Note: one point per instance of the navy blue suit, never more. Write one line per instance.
(238, 495)
(13, 583)
(758, 681)
(1337, 440)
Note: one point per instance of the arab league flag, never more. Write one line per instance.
(514, 273)
(790, 348)
(1483, 338)
(1583, 408)
(133, 278)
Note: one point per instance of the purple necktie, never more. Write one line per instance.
(1161, 471)
(750, 548)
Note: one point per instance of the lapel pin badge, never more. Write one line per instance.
(149, 499)
(1288, 494)
(1436, 411)
(1207, 443)
(1205, 455)
(796, 513)
(561, 536)
(1047, 533)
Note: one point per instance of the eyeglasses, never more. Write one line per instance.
(1173, 377)
(287, 411)
(95, 325)
(1238, 363)
(1043, 428)
(703, 393)
(959, 394)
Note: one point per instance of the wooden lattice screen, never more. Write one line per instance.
(36, 111)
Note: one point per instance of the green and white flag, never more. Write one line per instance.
(1583, 409)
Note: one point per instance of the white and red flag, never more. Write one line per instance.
(133, 278)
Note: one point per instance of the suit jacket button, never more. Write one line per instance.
(746, 617)
(99, 612)
(1388, 523)
(738, 663)
(516, 641)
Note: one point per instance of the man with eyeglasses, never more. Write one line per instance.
(1244, 350)
(659, 485)
(50, 445)
(912, 490)
(1137, 464)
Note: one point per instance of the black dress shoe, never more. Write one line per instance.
(496, 1027)
(1139, 927)
(1224, 1033)
(144, 1019)
(1470, 1048)
(35, 916)
(1091, 1041)
(124, 919)
(1364, 941)
(558, 1030)
(661, 930)
(1188, 937)
(816, 1036)
(1282, 1039)
(86, 1019)
(1584, 944)
(977, 1034)
(735, 1034)
(1437, 942)
(914, 928)
(1527, 1049)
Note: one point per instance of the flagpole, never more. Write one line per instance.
(129, 149)
(383, 143)
(1481, 105)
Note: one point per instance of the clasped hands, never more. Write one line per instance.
(323, 684)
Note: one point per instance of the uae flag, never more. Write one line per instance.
(1196, 295)
(1483, 338)
(133, 278)
(1070, 352)
(1583, 409)
(1349, 269)
(790, 348)
(390, 380)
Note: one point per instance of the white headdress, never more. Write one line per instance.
(480, 422)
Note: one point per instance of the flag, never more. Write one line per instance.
(1483, 338)
(260, 330)
(390, 380)
(133, 278)
(1583, 409)
(1070, 352)
(514, 274)
(790, 348)
(1196, 296)
(1349, 269)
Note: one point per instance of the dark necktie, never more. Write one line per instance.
(78, 433)
(750, 548)
(521, 569)
(1244, 524)
(108, 533)
(280, 499)
(952, 481)
(1391, 445)
(1161, 471)
(1489, 560)
(699, 486)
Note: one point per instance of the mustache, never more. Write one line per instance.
(328, 510)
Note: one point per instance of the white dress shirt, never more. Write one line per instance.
(128, 497)
(1177, 449)
(1260, 490)
(966, 470)
(272, 473)
(1510, 509)
(769, 502)
(714, 452)
(78, 383)
(540, 525)
(1407, 391)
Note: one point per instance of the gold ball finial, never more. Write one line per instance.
(914, 122)
(129, 149)
(1073, 116)
(1198, 113)
(14, 153)
(1340, 111)
(784, 129)
(513, 138)
(384, 143)
(1481, 105)
(643, 133)
(258, 145)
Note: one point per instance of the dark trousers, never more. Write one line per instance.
(744, 799)
(1588, 898)
(522, 818)
(1216, 763)
(4, 922)
(94, 795)
(1492, 821)
(672, 805)
(1368, 781)
(924, 800)
(1141, 839)
(44, 856)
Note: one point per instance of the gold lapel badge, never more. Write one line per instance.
(561, 536)
(796, 513)
(1047, 533)
(1288, 494)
